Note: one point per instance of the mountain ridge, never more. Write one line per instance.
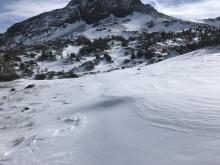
(212, 21)
(92, 11)
(77, 11)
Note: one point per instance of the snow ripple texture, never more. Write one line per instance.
(189, 100)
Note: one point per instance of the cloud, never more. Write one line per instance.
(17, 10)
(188, 9)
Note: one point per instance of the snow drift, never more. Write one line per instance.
(166, 113)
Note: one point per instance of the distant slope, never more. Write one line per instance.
(212, 21)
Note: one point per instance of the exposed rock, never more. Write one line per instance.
(25, 109)
(30, 86)
(92, 11)
(87, 66)
(13, 90)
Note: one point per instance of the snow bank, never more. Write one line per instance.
(71, 49)
(166, 113)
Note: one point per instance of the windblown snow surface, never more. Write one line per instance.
(162, 114)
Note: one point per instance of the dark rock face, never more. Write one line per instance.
(1, 39)
(95, 10)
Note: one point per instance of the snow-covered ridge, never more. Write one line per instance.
(168, 110)
(212, 21)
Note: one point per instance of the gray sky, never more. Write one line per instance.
(12, 11)
(188, 9)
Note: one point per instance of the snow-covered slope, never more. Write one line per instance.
(212, 21)
(166, 113)
(137, 22)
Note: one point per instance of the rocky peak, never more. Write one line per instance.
(88, 3)
(93, 10)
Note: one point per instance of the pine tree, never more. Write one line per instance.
(7, 71)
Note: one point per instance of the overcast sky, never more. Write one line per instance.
(12, 11)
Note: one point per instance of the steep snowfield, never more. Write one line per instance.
(166, 113)
(136, 22)
(111, 26)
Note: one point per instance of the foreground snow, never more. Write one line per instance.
(166, 113)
